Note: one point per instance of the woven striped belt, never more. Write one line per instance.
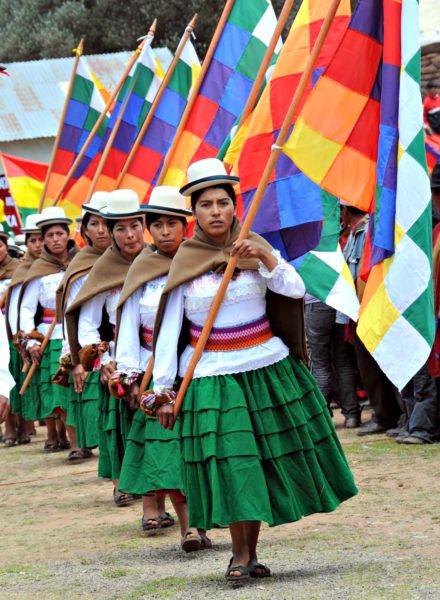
(224, 339)
(48, 315)
(147, 338)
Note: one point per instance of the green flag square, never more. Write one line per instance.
(246, 15)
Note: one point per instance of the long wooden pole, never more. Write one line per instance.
(186, 113)
(110, 141)
(34, 367)
(147, 376)
(99, 121)
(284, 15)
(156, 100)
(276, 149)
(78, 51)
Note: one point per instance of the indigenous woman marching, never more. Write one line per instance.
(152, 458)
(91, 320)
(22, 407)
(83, 409)
(37, 314)
(258, 443)
(7, 267)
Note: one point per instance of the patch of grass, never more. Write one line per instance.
(115, 572)
(25, 572)
(167, 587)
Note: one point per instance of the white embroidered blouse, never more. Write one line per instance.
(90, 319)
(40, 291)
(244, 302)
(138, 311)
(74, 289)
(12, 315)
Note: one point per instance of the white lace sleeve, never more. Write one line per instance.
(283, 279)
(90, 318)
(28, 308)
(6, 380)
(128, 345)
(165, 358)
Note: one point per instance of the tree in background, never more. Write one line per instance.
(34, 29)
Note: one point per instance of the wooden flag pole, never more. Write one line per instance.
(34, 367)
(156, 100)
(110, 140)
(78, 52)
(147, 376)
(256, 201)
(284, 15)
(101, 117)
(194, 92)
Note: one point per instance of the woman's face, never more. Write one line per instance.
(3, 249)
(98, 233)
(55, 239)
(129, 236)
(167, 233)
(214, 211)
(34, 244)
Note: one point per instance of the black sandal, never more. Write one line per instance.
(121, 499)
(165, 520)
(242, 569)
(255, 567)
(151, 524)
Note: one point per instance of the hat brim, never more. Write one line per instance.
(30, 230)
(5, 235)
(206, 182)
(42, 224)
(91, 209)
(175, 212)
(121, 216)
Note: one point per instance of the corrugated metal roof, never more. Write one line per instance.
(32, 98)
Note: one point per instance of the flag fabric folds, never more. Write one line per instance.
(84, 108)
(290, 215)
(26, 181)
(347, 154)
(324, 271)
(144, 169)
(225, 87)
(397, 309)
(142, 85)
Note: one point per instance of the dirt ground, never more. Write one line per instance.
(63, 538)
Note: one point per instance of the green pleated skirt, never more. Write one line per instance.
(260, 446)
(115, 418)
(15, 366)
(52, 396)
(152, 459)
(31, 400)
(85, 410)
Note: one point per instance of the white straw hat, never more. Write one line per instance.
(98, 201)
(206, 173)
(31, 224)
(167, 200)
(3, 234)
(122, 204)
(20, 239)
(53, 215)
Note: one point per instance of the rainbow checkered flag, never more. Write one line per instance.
(397, 311)
(85, 105)
(225, 87)
(147, 162)
(367, 147)
(146, 75)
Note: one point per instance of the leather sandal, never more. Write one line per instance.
(121, 499)
(259, 570)
(191, 541)
(151, 524)
(242, 569)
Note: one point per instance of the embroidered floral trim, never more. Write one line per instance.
(281, 264)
